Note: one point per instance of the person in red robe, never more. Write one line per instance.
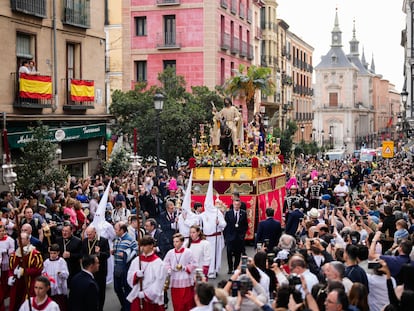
(23, 272)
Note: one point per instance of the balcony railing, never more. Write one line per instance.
(258, 34)
(249, 16)
(233, 8)
(76, 13)
(21, 101)
(234, 49)
(243, 50)
(225, 41)
(250, 53)
(168, 2)
(224, 4)
(167, 41)
(241, 11)
(30, 7)
(72, 105)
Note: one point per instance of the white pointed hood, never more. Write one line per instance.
(99, 218)
(209, 200)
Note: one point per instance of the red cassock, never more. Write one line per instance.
(33, 263)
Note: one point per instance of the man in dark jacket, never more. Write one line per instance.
(269, 230)
(84, 293)
(71, 249)
(234, 234)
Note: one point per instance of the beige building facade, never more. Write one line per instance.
(66, 40)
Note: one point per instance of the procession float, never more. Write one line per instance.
(256, 175)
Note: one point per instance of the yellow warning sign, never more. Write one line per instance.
(388, 149)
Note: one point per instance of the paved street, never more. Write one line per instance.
(112, 303)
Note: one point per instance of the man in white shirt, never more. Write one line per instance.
(298, 265)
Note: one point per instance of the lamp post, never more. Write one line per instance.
(302, 129)
(330, 140)
(313, 134)
(323, 137)
(158, 105)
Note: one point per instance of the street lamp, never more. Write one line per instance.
(313, 134)
(302, 129)
(158, 105)
(323, 137)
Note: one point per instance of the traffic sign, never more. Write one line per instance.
(388, 149)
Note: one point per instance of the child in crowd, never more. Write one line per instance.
(402, 232)
(56, 269)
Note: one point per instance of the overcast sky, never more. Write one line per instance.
(378, 29)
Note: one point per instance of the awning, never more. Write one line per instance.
(20, 139)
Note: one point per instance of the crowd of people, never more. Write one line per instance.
(343, 243)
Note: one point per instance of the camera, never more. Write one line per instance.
(259, 246)
(243, 264)
(316, 234)
(234, 288)
(199, 275)
(266, 243)
(374, 265)
(270, 258)
(294, 280)
(245, 284)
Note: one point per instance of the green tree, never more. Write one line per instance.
(35, 169)
(118, 164)
(246, 83)
(286, 138)
(179, 119)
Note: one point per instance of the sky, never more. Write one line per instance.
(378, 29)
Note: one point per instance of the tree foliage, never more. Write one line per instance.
(118, 164)
(178, 121)
(246, 83)
(286, 136)
(35, 169)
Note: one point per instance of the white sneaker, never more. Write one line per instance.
(212, 275)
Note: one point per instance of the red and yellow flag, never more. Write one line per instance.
(82, 90)
(35, 86)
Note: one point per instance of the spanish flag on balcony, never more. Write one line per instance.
(35, 86)
(82, 90)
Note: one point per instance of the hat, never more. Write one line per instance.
(314, 213)
(283, 254)
(326, 197)
(342, 180)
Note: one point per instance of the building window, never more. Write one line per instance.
(232, 69)
(31, 7)
(169, 30)
(25, 46)
(141, 69)
(222, 71)
(169, 63)
(333, 99)
(77, 13)
(141, 26)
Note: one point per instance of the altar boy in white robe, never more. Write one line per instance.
(146, 276)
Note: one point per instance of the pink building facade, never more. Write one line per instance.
(203, 39)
